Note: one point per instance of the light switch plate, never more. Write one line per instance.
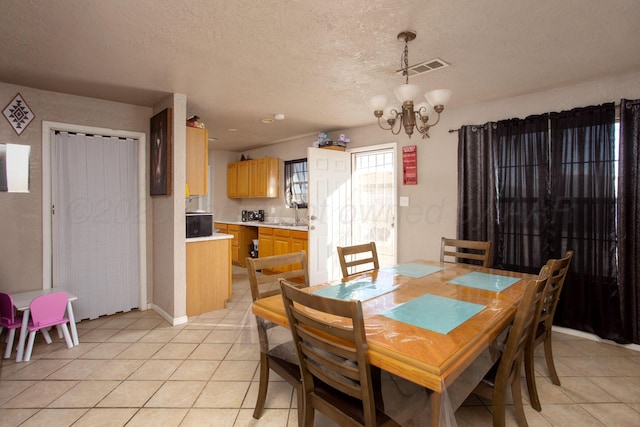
(404, 201)
(273, 210)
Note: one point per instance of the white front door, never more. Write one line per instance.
(329, 211)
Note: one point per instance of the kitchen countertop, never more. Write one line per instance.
(284, 226)
(214, 236)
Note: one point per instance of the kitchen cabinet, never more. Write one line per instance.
(299, 241)
(232, 180)
(243, 179)
(242, 239)
(208, 275)
(257, 178)
(197, 161)
(265, 242)
(279, 241)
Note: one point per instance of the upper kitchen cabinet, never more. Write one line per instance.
(254, 178)
(197, 161)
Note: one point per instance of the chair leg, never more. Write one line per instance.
(10, 338)
(498, 406)
(27, 351)
(529, 369)
(264, 384)
(47, 337)
(299, 397)
(548, 355)
(516, 394)
(67, 336)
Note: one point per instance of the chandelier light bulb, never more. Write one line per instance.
(407, 92)
(378, 102)
(438, 97)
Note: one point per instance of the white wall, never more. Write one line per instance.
(433, 202)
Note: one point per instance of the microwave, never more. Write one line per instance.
(199, 225)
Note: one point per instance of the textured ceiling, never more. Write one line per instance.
(318, 62)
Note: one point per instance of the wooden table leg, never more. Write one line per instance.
(436, 408)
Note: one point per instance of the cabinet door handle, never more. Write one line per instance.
(313, 217)
(313, 227)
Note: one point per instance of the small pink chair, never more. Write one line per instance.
(47, 311)
(9, 320)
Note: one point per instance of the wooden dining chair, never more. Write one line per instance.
(332, 349)
(353, 258)
(280, 358)
(544, 321)
(505, 373)
(467, 251)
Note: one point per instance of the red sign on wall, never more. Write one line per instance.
(410, 165)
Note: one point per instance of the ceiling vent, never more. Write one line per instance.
(425, 67)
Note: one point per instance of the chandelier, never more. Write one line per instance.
(410, 117)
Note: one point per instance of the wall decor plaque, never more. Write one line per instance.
(18, 114)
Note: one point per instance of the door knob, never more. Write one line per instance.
(313, 217)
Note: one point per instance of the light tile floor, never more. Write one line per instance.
(135, 369)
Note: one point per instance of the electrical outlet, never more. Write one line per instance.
(404, 201)
(273, 210)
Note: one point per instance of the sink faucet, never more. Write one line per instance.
(297, 218)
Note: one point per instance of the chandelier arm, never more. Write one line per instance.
(382, 127)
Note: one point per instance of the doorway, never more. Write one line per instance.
(351, 200)
(373, 196)
(137, 207)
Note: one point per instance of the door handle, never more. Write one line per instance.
(312, 227)
(313, 217)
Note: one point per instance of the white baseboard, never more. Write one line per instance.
(593, 337)
(173, 320)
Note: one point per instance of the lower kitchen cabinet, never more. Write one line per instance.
(208, 275)
(279, 241)
(265, 242)
(242, 240)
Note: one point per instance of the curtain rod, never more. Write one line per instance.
(91, 135)
(616, 106)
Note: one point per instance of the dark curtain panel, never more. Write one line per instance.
(629, 218)
(476, 183)
(584, 217)
(522, 175)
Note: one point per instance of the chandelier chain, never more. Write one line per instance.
(405, 57)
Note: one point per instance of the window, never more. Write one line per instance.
(296, 183)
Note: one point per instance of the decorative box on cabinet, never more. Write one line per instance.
(257, 178)
(197, 161)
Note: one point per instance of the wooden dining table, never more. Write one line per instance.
(408, 319)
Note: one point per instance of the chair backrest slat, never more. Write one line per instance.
(292, 267)
(352, 258)
(558, 269)
(469, 251)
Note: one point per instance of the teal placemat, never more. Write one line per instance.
(412, 269)
(489, 282)
(358, 289)
(435, 313)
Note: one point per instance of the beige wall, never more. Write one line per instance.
(169, 247)
(433, 202)
(21, 214)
